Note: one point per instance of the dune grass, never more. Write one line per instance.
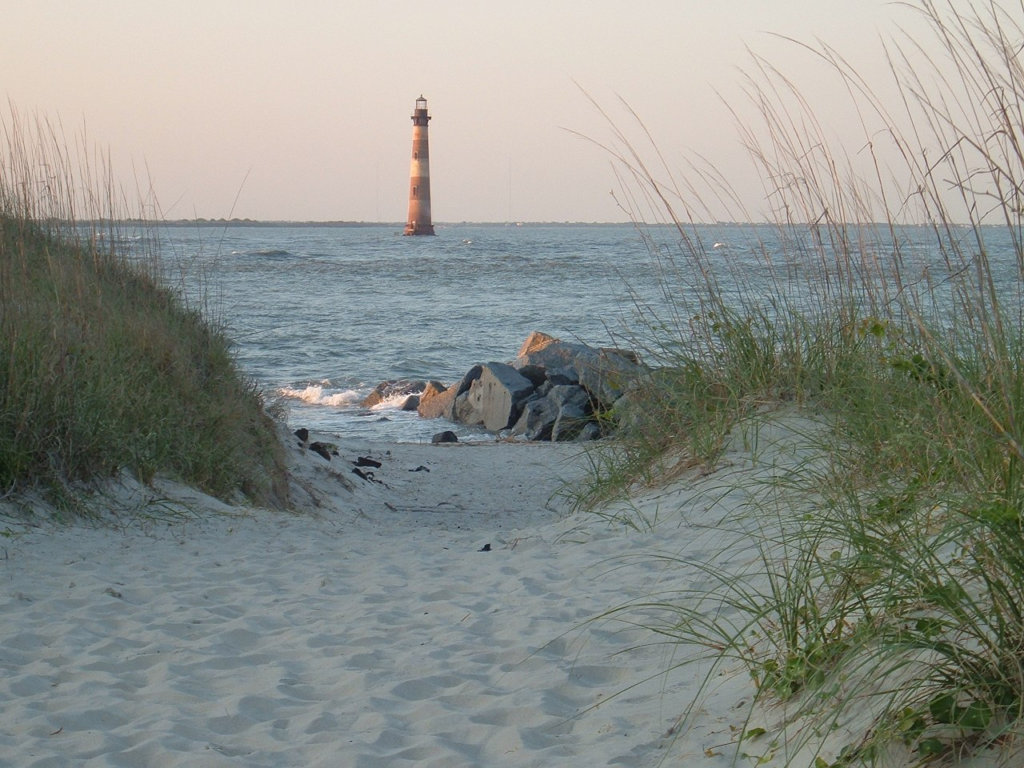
(103, 368)
(895, 585)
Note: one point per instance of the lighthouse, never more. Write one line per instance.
(418, 222)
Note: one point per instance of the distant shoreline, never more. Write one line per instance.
(398, 225)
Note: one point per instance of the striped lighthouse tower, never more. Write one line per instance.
(418, 222)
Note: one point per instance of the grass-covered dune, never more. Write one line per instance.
(102, 367)
(886, 305)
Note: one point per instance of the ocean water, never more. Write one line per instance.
(322, 314)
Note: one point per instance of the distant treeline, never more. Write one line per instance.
(396, 224)
(399, 225)
(257, 223)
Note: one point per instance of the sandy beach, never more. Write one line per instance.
(438, 612)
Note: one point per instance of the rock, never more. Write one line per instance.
(442, 404)
(445, 437)
(537, 375)
(439, 405)
(433, 400)
(572, 397)
(591, 431)
(604, 373)
(411, 403)
(503, 390)
(535, 342)
(366, 461)
(303, 434)
(537, 421)
(560, 376)
(322, 449)
(607, 376)
(368, 476)
(464, 410)
(391, 389)
(495, 399)
(574, 409)
(553, 354)
(568, 425)
(628, 412)
(467, 381)
(560, 415)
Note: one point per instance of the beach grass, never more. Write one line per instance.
(104, 367)
(891, 579)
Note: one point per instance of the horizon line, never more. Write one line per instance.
(235, 221)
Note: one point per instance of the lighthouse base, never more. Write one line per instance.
(414, 228)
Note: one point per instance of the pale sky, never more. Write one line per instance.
(300, 109)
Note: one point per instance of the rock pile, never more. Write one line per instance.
(553, 390)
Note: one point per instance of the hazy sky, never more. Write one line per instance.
(301, 109)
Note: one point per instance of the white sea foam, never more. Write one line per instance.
(394, 401)
(318, 395)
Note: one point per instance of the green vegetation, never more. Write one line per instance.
(102, 367)
(895, 584)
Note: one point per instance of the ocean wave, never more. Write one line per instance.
(318, 395)
(393, 402)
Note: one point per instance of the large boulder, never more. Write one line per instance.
(495, 399)
(605, 373)
(437, 402)
(535, 342)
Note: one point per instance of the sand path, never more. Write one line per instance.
(373, 629)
